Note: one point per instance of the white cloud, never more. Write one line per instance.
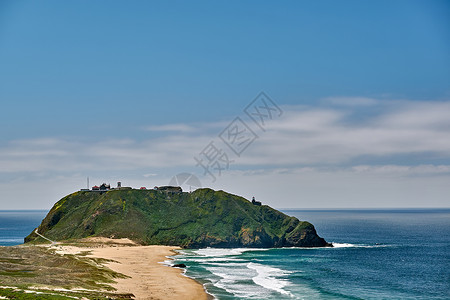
(147, 175)
(63, 155)
(316, 146)
(301, 137)
(324, 136)
(193, 128)
(395, 170)
(351, 101)
(381, 186)
(171, 127)
(417, 116)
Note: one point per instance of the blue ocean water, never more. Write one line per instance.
(17, 224)
(378, 254)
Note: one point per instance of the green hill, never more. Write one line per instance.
(204, 218)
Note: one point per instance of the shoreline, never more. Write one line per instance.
(148, 276)
(183, 273)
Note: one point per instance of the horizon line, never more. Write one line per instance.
(293, 208)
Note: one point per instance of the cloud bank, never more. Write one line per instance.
(354, 137)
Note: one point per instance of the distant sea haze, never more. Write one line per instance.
(378, 254)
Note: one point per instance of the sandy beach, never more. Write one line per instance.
(148, 277)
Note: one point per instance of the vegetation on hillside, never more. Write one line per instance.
(39, 273)
(203, 218)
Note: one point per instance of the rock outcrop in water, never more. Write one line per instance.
(203, 218)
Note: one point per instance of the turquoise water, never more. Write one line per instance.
(400, 254)
(383, 254)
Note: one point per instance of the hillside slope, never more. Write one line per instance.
(204, 218)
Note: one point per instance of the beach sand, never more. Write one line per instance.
(149, 278)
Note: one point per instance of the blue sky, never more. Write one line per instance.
(133, 91)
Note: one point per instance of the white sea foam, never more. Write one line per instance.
(235, 278)
(224, 264)
(216, 252)
(238, 276)
(241, 291)
(167, 262)
(210, 260)
(11, 240)
(339, 245)
(343, 245)
(238, 272)
(268, 277)
(348, 245)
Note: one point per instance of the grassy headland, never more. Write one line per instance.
(204, 218)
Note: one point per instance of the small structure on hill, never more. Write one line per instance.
(169, 189)
(120, 187)
(105, 187)
(102, 188)
(254, 202)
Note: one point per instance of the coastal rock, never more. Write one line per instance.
(179, 266)
(203, 218)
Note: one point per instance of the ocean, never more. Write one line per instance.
(378, 254)
(15, 225)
